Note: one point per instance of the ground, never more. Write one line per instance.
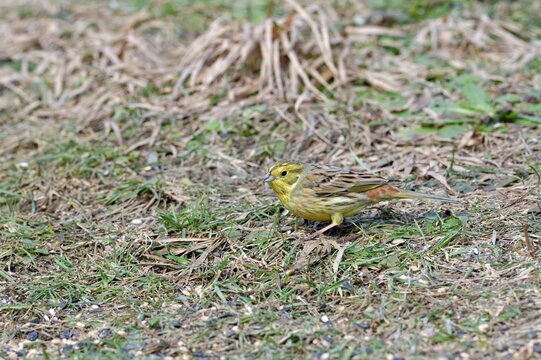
(135, 135)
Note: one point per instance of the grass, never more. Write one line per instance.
(132, 218)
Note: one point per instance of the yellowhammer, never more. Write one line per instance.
(328, 193)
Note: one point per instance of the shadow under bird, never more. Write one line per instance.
(331, 194)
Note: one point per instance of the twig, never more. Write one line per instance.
(528, 242)
(524, 143)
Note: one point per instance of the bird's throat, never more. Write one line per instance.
(281, 189)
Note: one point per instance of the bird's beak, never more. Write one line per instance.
(268, 178)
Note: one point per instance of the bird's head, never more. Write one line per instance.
(283, 176)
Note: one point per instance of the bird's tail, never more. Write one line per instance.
(405, 194)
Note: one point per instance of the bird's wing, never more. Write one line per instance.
(329, 180)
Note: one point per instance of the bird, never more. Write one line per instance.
(330, 193)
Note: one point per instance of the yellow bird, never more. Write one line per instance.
(327, 193)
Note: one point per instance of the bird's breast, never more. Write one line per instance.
(306, 207)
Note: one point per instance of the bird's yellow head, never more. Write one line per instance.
(283, 176)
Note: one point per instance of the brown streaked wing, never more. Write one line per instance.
(327, 181)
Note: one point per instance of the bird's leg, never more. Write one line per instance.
(320, 232)
(336, 220)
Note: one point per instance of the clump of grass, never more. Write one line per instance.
(195, 217)
(132, 189)
(9, 194)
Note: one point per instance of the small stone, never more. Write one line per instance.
(130, 347)
(325, 319)
(20, 353)
(484, 327)
(63, 304)
(442, 291)
(365, 325)
(137, 221)
(105, 333)
(66, 334)
(346, 285)
(176, 324)
(326, 341)
(32, 335)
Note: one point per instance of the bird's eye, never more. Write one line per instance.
(284, 173)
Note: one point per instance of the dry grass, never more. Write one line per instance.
(132, 220)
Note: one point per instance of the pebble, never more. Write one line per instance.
(176, 324)
(484, 327)
(365, 325)
(63, 304)
(442, 291)
(66, 334)
(105, 333)
(33, 335)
